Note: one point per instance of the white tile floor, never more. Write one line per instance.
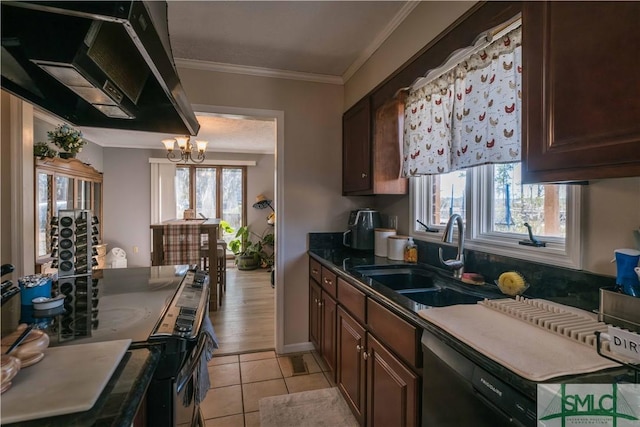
(238, 382)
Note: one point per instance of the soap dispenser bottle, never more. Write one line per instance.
(410, 251)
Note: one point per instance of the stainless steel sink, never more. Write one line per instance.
(441, 297)
(421, 285)
(399, 279)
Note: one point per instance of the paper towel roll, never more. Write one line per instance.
(395, 247)
(380, 242)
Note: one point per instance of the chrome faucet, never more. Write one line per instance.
(457, 265)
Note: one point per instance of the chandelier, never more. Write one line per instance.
(186, 149)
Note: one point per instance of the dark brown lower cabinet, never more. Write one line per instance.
(328, 336)
(314, 313)
(378, 387)
(392, 389)
(351, 373)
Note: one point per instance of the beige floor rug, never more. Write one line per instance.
(324, 407)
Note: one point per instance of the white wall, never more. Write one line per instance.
(127, 203)
(260, 180)
(312, 175)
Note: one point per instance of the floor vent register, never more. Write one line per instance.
(298, 364)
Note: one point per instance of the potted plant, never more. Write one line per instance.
(252, 250)
(42, 149)
(68, 139)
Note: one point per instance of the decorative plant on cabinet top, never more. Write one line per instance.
(68, 139)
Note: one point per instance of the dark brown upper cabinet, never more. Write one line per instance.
(581, 95)
(371, 150)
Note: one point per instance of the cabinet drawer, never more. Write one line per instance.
(402, 337)
(352, 299)
(329, 281)
(314, 270)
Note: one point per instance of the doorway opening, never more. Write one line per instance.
(238, 328)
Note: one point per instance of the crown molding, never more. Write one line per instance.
(195, 64)
(380, 39)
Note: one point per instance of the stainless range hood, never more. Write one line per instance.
(96, 63)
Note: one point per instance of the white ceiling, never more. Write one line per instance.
(329, 40)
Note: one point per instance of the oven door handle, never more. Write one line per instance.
(194, 361)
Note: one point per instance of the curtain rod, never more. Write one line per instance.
(482, 41)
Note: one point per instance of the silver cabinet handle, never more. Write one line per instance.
(315, 271)
(365, 355)
(319, 303)
(358, 348)
(364, 175)
(315, 300)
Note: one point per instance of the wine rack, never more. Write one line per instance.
(74, 235)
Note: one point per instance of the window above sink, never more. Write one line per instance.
(495, 204)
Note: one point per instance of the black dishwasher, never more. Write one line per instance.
(457, 392)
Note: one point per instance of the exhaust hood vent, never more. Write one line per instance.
(100, 64)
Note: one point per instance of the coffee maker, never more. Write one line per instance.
(360, 234)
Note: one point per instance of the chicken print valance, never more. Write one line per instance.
(468, 116)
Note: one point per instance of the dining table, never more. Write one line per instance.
(208, 228)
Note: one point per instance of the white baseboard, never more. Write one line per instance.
(298, 347)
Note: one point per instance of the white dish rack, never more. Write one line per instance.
(611, 342)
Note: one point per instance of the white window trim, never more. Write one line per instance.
(207, 162)
(568, 255)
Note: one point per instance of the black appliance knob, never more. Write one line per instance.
(66, 221)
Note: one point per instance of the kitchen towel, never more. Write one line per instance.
(204, 382)
(181, 243)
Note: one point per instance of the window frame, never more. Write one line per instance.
(565, 252)
(219, 173)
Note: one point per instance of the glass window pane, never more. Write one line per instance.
(97, 198)
(182, 190)
(448, 196)
(64, 193)
(232, 202)
(84, 195)
(206, 192)
(543, 207)
(44, 200)
(97, 205)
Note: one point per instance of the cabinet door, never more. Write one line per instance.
(314, 313)
(387, 149)
(392, 389)
(328, 335)
(356, 148)
(350, 375)
(581, 97)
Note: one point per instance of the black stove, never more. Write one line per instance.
(163, 306)
(110, 305)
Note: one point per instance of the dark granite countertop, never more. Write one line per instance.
(120, 399)
(342, 261)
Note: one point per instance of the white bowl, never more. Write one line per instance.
(43, 303)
